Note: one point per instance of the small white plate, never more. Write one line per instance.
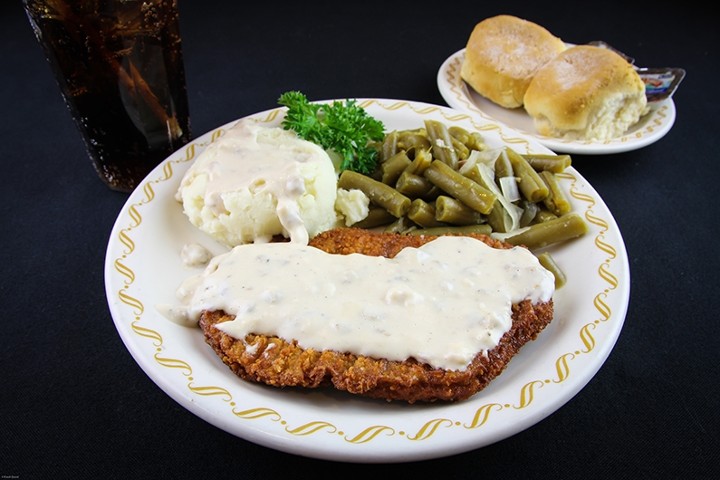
(651, 128)
(143, 269)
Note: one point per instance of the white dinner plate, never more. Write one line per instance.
(458, 94)
(143, 269)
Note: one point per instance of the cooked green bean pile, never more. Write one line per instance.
(438, 179)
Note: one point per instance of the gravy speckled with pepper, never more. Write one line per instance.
(441, 303)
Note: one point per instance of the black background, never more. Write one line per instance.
(74, 404)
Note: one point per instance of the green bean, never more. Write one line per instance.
(461, 187)
(380, 194)
(529, 212)
(461, 150)
(423, 159)
(478, 142)
(376, 217)
(531, 185)
(400, 225)
(393, 167)
(442, 143)
(460, 133)
(432, 194)
(471, 140)
(551, 163)
(423, 214)
(449, 230)
(500, 216)
(413, 185)
(548, 262)
(503, 167)
(499, 219)
(557, 230)
(543, 215)
(409, 139)
(389, 145)
(556, 201)
(452, 211)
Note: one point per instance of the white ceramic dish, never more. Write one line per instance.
(651, 128)
(143, 269)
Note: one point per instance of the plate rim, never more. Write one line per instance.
(454, 92)
(119, 278)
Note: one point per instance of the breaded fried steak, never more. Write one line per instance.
(283, 362)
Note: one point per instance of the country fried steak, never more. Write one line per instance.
(283, 363)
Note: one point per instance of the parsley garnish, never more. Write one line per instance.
(341, 127)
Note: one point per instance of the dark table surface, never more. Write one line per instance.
(74, 403)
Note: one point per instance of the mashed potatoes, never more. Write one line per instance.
(256, 182)
(353, 205)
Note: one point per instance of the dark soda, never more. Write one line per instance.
(120, 69)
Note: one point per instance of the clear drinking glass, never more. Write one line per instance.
(119, 66)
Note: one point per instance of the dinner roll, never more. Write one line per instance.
(502, 55)
(586, 93)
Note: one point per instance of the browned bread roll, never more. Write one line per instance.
(502, 55)
(586, 93)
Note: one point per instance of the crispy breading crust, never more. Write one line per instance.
(282, 363)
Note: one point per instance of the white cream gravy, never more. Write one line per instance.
(442, 303)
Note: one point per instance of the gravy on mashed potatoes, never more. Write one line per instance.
(256, 182)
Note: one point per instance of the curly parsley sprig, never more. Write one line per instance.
(341, 127)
